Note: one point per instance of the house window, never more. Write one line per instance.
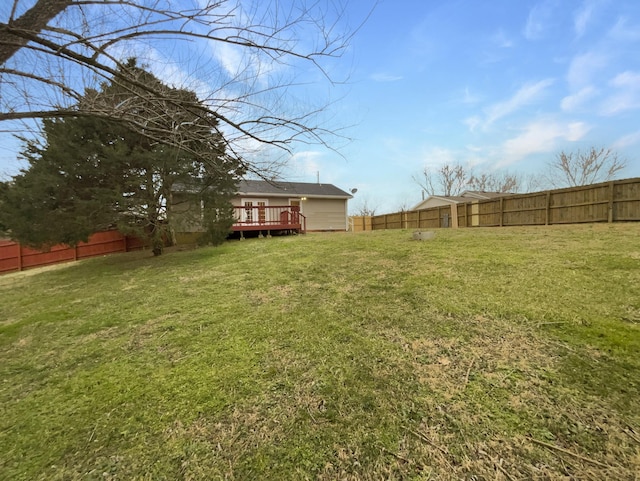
(248, 211)
(262, 212)
(296, 207)
(255, 211)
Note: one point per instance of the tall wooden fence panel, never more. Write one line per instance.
(626, 204)
(14, 257)
(615, 201)
(359, 223)
(417, 219)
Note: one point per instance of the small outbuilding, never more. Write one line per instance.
(466, 196)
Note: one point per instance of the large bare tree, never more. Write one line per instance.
(453, 179)
(447, 180)
(585, 167)
(240, 56)
(504, 182)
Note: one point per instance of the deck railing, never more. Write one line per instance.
(269, 217)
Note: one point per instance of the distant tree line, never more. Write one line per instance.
(567, 169)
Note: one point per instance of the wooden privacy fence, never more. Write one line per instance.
(359, 223)
(615, 201)
(15, 257)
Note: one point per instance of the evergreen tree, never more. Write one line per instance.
(91, 173)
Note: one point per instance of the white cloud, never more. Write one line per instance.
(384, 77)
(576, 100)
(306, 163)
(626, 95)
(437, 156)
(626, 79)
(627, 141)
(230, 58)
(540, 136)
(538, 20)
(501, 39)
(583, 17)
(583, 67)
(621, 31)
(469, 98)
(473, 122)
(524, 96)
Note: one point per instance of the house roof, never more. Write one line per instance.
(478, 194)
(450, 199)
(466, 196)
(277, 188)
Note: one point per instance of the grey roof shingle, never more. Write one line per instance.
(276, 187)
(487, 195)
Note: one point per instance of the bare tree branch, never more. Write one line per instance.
(33, 20)
(57, 49)
(447, 180)
(584, 168)
(503, 182)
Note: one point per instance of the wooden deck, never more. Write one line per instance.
(269, 218)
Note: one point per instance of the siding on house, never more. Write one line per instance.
(185, 214)
(325, 214)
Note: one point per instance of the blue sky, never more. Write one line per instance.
(492, 84)
(497, 84)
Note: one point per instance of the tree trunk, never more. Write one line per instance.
(17, 33)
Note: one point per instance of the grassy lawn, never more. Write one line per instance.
(501, 354)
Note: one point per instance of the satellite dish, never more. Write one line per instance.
(354, 190)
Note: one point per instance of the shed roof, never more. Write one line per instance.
(449, 199)
(481, 194)
(466, 196)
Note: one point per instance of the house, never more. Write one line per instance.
(322, 206)
(267, 206)
(466, 196)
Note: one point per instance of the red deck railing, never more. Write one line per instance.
(268, 217)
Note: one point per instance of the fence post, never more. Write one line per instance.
(547, 216)
(611, 192)
(19, 256)
(501, 211)
(454, 216)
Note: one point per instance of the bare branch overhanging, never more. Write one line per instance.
(41, 33)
